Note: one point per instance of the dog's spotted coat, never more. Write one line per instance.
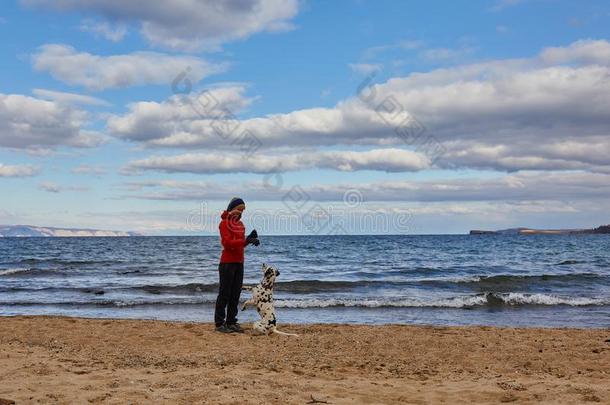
(262, 298)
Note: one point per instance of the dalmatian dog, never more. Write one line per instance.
(262, 298)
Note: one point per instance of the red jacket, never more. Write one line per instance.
(232, 238)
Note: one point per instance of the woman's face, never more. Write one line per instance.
(239, 209)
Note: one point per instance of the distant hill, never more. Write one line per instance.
(40, 231)
(605, 229)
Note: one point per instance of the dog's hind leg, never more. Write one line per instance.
(258, 328)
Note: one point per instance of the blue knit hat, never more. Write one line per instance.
(235, 201)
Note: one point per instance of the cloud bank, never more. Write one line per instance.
(190, 25)
(547, 112)
(520, 187)
(388, 160)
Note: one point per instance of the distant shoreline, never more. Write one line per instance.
(50, 232)
(603, 229)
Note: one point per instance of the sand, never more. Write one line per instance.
(65, 360)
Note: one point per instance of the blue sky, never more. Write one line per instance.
(512, 95)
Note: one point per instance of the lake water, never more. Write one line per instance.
(537, 280)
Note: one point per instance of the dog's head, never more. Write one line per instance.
(269, 275)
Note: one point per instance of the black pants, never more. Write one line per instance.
(231, 279)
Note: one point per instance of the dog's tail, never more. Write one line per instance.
(279, 332)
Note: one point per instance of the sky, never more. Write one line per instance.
(342, 117)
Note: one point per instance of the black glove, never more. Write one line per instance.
(253, 238)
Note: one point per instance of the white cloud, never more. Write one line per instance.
(69, 98)
(18, 170)
(40, 125)
(189, 24)
(196, 122)
(585, 51)
(525, 186)
(389, 160)
(588, 153)
(175, 118)
(51, 187)
(112, 33)
(546, 112)
(97, 72)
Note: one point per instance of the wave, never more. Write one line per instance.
(568, 262)
(470, 301)
(381, 303)
(181, 288)
(24, 272)
(66, 261)
(547, 299)
(314, 286)
(488, 299)
(503, 283)
(293, 287)
(512, 278)
(479, 281)
(8, 272)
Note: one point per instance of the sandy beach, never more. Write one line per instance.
(64, 360)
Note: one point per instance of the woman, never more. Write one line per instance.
(231, 267)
